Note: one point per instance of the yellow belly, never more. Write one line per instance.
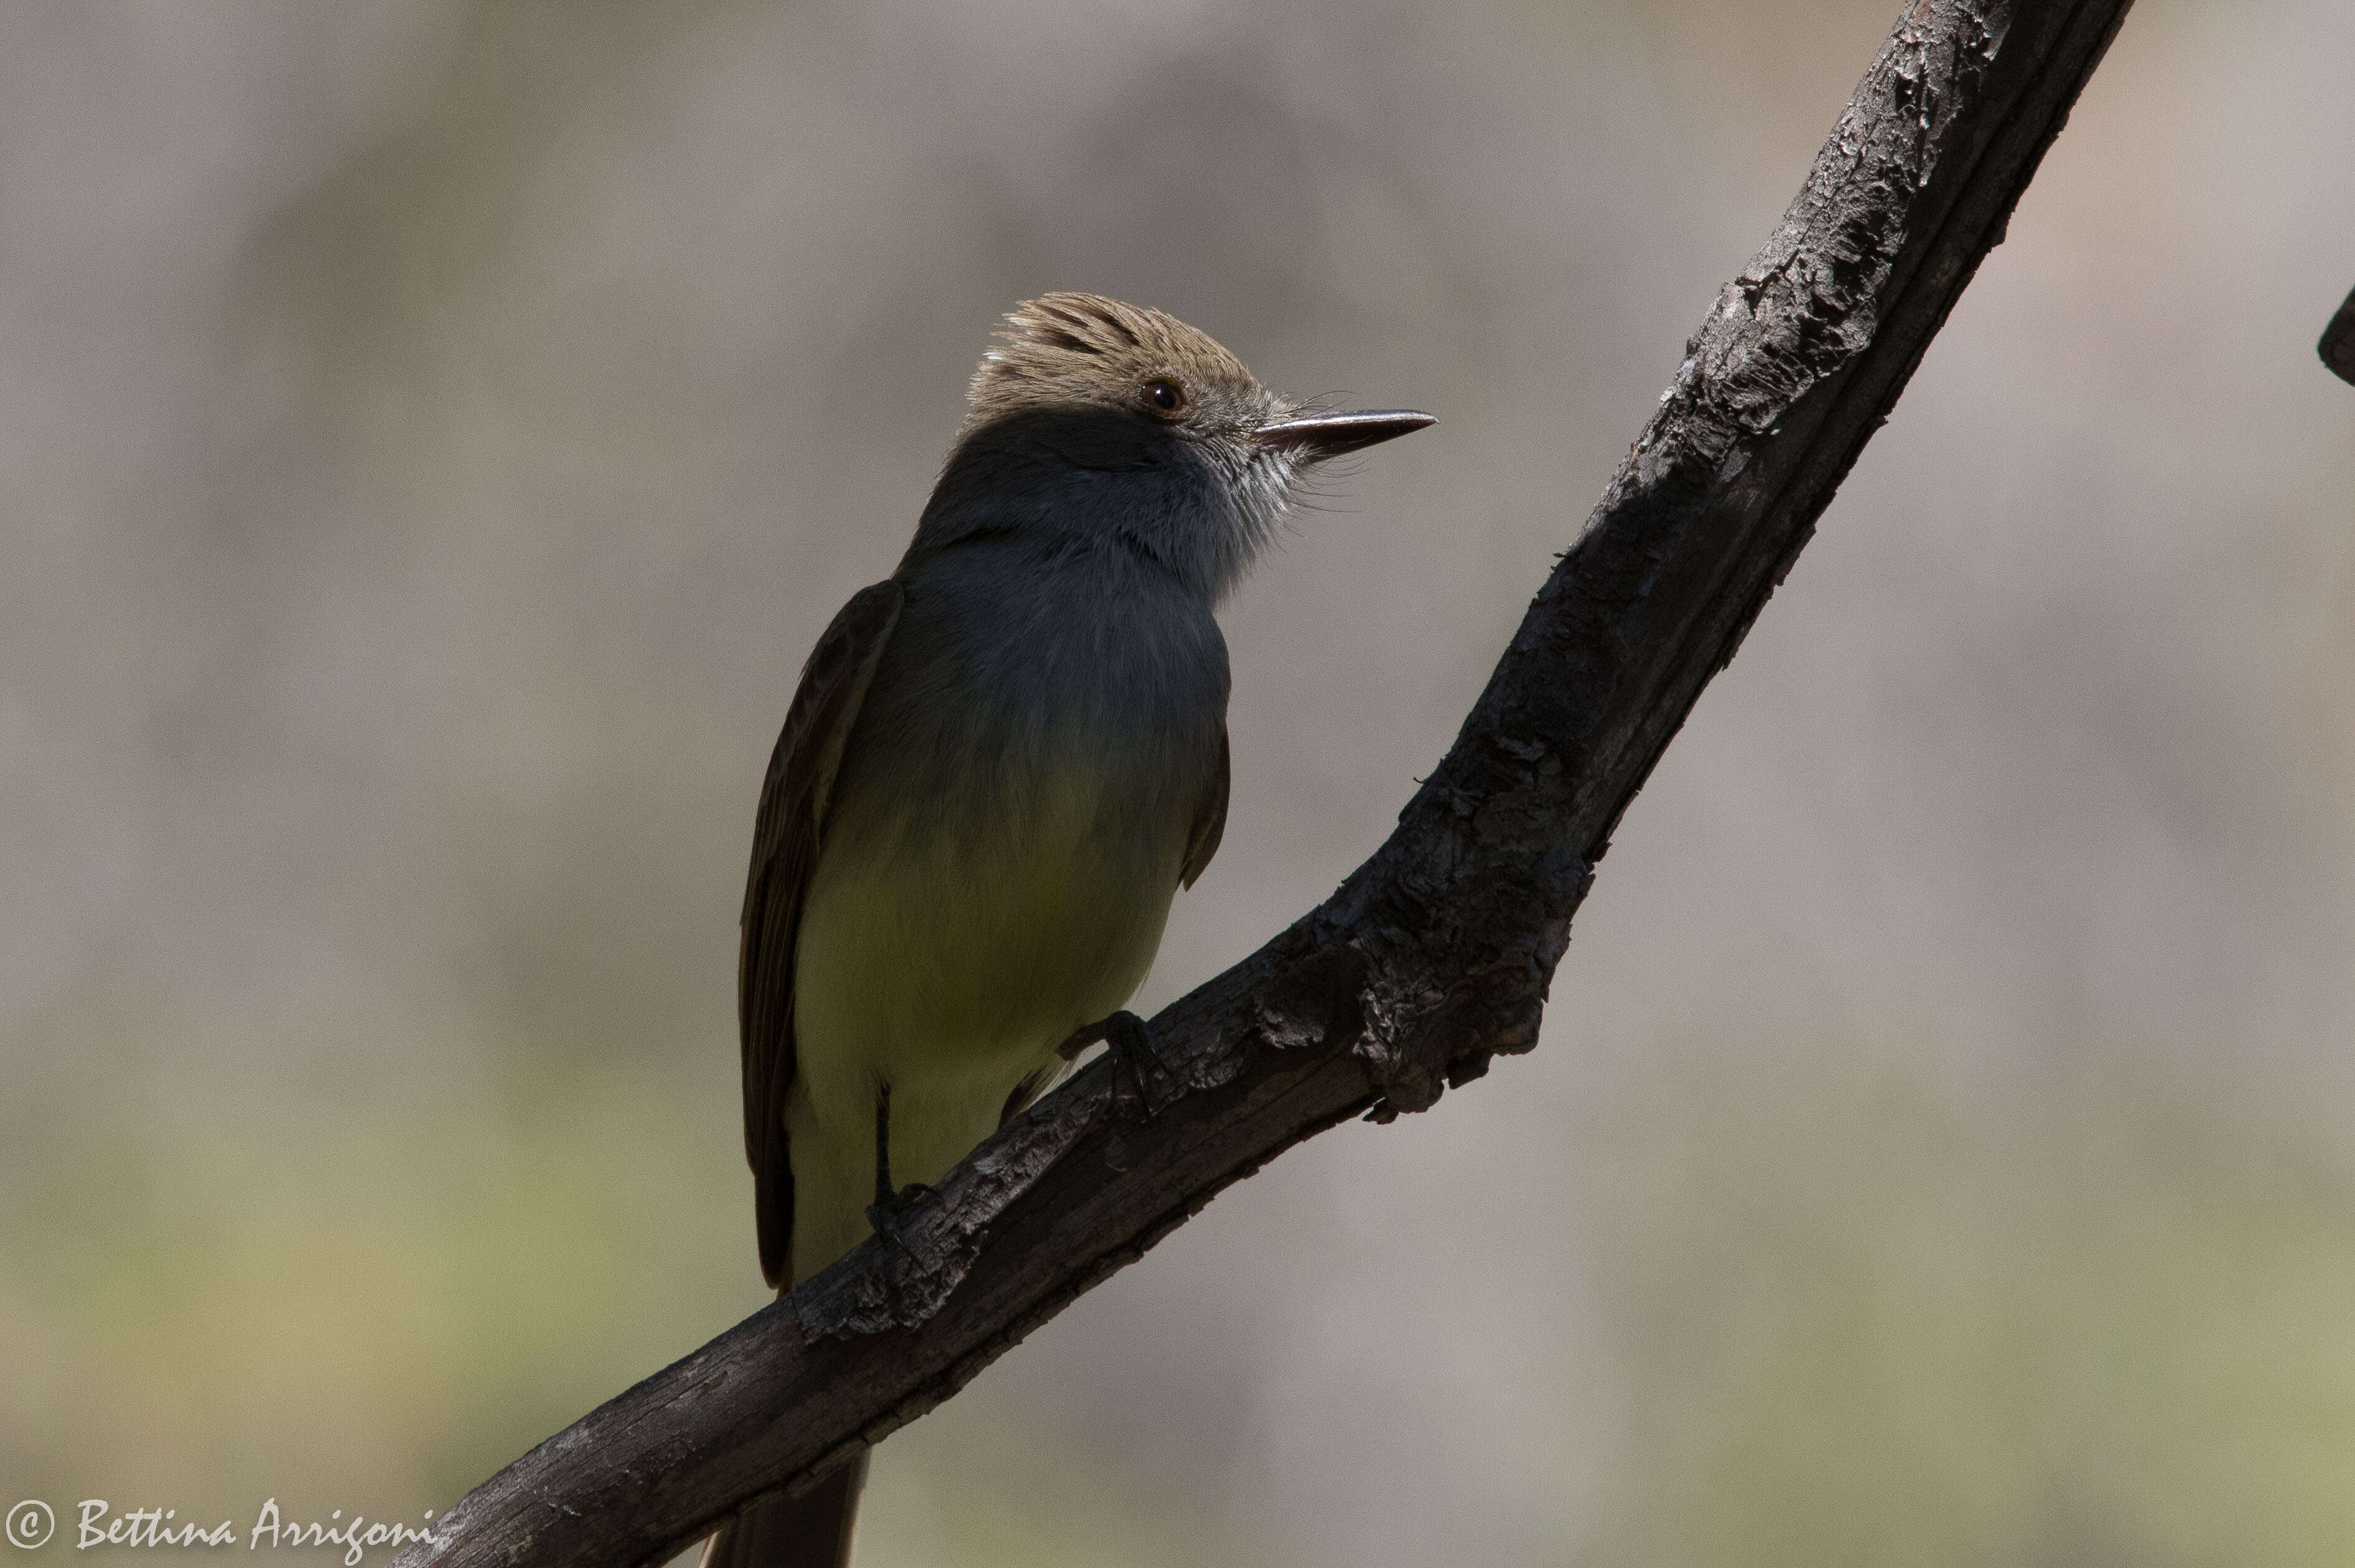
(949, 958)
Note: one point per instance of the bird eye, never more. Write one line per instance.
(1164, 396)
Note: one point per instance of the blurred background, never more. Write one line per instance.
(431, 434)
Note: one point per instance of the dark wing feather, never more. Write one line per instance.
(1210, 819)
(786, 838)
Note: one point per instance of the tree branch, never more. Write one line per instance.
(2337, 345)
(1436, 953)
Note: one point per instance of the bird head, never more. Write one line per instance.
(1116, 424)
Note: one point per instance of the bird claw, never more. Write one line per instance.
(1135, 1053)
(888, 1214)
(1136, 1056)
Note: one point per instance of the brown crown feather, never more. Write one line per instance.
(1075, 349)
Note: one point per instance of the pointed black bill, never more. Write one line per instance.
(1319, 436)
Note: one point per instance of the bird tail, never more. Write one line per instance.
(812, 1531)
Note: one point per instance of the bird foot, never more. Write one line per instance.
(888, 1212)
(1135, 1054)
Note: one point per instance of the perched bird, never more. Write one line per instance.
(1001, 763)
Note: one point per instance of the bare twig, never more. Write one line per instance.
(1435, 955)
(2337, 345)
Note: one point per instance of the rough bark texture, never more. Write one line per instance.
(1435, 955)
(2337, 345)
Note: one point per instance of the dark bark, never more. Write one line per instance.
(2337, 345)
(1435, 954)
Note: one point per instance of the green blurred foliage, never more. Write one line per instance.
(1878, 1320)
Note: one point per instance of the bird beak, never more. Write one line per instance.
(1319, 436)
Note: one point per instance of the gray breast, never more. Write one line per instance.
(1011, 818)
(1016, 659)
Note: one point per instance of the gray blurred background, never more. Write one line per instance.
(432, 433)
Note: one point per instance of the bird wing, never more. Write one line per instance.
(786, 838)
(1210, 818)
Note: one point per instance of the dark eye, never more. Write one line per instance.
(1164, 396)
